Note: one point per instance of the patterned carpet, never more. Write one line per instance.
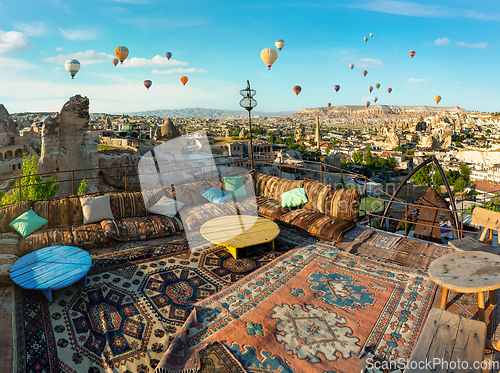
(135, 301)
(314, 309)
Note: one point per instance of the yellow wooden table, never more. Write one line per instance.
(238, 231)
(467, 272)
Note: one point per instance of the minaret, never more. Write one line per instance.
(317, 130)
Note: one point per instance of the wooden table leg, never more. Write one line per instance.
(444, 298)
(233, 251)
(492, 298)
(480, 305)
(270, 245)
(48, 294)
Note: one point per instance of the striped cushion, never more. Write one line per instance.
(338, 203)
(190, 193)
(9, 243)
(127, 205)
(6, 261)
(141, 228)
(271, 208)
(151, 197)
(10, 213)
(196, 216)
(273, 187)
(318, 224)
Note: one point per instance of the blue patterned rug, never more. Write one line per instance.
(134, 303)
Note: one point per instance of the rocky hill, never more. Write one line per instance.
(373, 112)
(209, 113)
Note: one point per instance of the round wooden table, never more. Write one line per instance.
(51, 268)
(467, 272)
(238, 231)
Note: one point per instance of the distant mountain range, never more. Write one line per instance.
(209, 113)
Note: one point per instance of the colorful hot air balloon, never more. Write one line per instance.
(184, 80)
(336, 87)
(365, 72)
(297, 89)
(268, 56)
(375, 99)
(370, 88)
(412, 53)
(115, 61)
(168, 55)
(329, 104)
(389, 89)
(121, 53)
(367, 103)
(351, 66)
(280, 43)
(458, 107)
(72, 66)
(437, 98)
(377, 85)
(366, 38)
(371, 34)
(148, 83)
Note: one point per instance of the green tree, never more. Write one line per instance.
(398, 149)
(465, 172)
(460, 184)
(379, 163)
(368, 158)
(29, 175)
(423, 176)
(390, 163)
(82, 189)
(328, 150)
(357, 157)
(437, 179)
(410, 152)
(272, 138)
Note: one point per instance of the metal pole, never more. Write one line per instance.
(251, 143)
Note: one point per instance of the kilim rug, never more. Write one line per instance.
(314, 309)
(134, 302)
(6, 328)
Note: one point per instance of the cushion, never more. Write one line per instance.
(6, 261)
(9, 243)
(273, 187)
(271, 208)
(294, 198)
(141, 228)
(215, 195)
(127, 204)
(196, 216)
(10, 212)
(166, 206)
(96, 209)
(27, 223)
(235, 185)
(190, 193)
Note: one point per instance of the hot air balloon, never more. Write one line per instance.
(148, 83)
(121, 53)
(367, 103)
(329, 104)
(389, 89)
(377, 85)
(370, 88)
(437, 98)
(351, 66)
(458, 107)
(336, 87)
(72, 66)
(168, 55)
(365, 72)
(366, 38)
(268, 56)
(412, 53)
(115, 61)
(280, 43)
(184, 80)
(297, 89)
(375, 99)
(371, 34)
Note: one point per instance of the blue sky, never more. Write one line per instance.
(217, 45)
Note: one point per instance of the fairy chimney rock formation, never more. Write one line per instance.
(243, 133)
(168, 130)
(392, 141)
(67, 146)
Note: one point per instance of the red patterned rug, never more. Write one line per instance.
(314, 309)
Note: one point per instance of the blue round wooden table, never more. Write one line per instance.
(51, 268)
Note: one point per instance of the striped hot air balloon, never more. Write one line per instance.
(115, 61)
(148, 83)
(168, 55)
(184, 80)
(366, 38)
(365, 72)
(389, 89)
(370, 88)
(375, 99)
(72, 66)
(351, 66)
(329, 104)
(121, 53)
(297, 89)
(280, 43)
(412, 53)
(268, 56)
(367, 103)
(336, 87)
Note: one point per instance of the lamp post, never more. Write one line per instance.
(249, 103)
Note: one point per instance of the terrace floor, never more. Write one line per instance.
(362, 241)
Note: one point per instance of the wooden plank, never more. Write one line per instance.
(483, 234)
(470, 244)
(486, 218)
(470, 344)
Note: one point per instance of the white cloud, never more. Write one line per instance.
(156, 61)
(459, 82)
(88, 57)
(57, 68)
(59, 49)
(60, 94)
(363, 62)
(31, 29)
(81, 34)
(468, 45)
(415, 80)
(13, 41)
(7, 63)
(442, 41)
(179, 70)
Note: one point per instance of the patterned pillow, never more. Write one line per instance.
(273, 187)
(6, 261)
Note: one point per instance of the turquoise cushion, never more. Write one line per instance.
(27, 223)
(294, 197)
(235, 186)
(215, 195)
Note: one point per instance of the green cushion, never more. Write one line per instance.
(235, 186)
(27, 223)
(294, 197)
